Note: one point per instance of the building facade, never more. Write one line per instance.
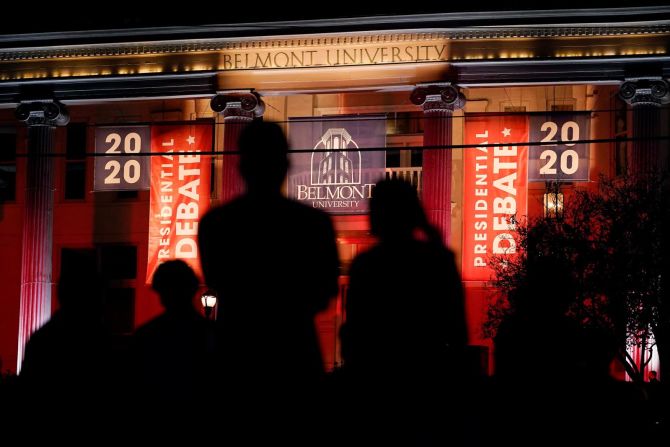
(450, 95)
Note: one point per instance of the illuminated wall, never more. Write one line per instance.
(100, 219)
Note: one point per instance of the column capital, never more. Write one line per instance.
(238, 103)
(43, 112)
(649, 91)
(438, 96)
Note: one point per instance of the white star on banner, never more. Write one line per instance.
(191, 139)
(506, 132)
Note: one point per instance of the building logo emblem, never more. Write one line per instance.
(336, 159)
(337, 173)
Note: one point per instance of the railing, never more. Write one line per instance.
(411, 175)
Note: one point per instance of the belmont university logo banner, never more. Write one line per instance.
(336, 175)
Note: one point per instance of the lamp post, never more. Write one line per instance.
(208, 300)
(553, 201)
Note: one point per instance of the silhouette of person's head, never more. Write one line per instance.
(652, 376)
(395, 210)
(176, 284)
(263, 157)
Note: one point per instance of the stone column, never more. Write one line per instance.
(646, 96)
(239, 108)
(42, 117)
(439, 100)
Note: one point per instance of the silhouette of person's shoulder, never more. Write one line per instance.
(55, 335)
(165, 322)
(58, 343)
(152, 329)
(40, 350)
(266, 205)
(308, 215)
(231, 214)
(247, 214)
(409, 252)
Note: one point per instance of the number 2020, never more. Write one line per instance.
(569, 159)
(132, 144)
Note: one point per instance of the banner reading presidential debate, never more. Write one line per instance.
(336, 175)
(495, 190)
(180, 187)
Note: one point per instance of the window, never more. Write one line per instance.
(399, 123)
(404, 158)
(416, 158)
(7, 165)
(392, 158)
(71, 258)
(118, 262)
(117, 266)
(562, 107)
(212, 177)
(126, 195)
(75, 162)
(514, 109)
(405, 163)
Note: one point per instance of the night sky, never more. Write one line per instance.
(57, 16)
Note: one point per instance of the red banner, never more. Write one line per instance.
(495, 189)
(180, 187)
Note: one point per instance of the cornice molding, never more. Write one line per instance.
(174, 47)
(205, 85)
(501, 17)
(89, 89)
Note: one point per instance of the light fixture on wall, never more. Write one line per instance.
(208, 300)
(553, 200)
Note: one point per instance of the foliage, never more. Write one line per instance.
(614, 240)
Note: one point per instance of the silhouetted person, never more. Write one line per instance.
(656, 398)
(574, 362)
(538, 334)
(405, 331)
(274, 263)
(602, 403)
(172, 354)
(67, 361)
(4, 384)
(539, 327)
